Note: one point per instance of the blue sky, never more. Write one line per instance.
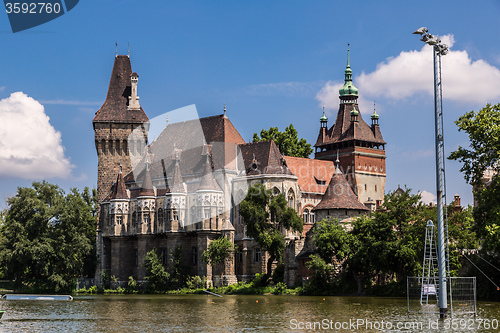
(273, 63)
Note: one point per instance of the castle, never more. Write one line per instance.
(182, 190)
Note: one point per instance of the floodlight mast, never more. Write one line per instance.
(439, 49)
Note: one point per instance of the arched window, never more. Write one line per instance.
(134, 219)
(305, 215)
(311, 217)
(160, 216)
(175, 215)
(291, 199)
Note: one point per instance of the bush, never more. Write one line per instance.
(196, 282)
(279, 274)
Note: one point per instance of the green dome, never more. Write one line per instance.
(374, 115)
(323, 118)
(348, 89)
(354, 112)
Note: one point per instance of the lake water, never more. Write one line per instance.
(205, 313)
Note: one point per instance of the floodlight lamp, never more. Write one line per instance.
(424, 38)
(420, 31)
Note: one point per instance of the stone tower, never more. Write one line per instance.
(360, 147)
(119, 117)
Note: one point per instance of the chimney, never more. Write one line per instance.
(457, 207)
(133, 100)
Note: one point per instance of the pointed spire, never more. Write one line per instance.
(116, 49)
(167, 119)
(208, 181)
(177, 184)
(120, 190)
(348, 89)
(147, 185)
(337, 164)
(225, 116)
(348, 65)
(128, 50)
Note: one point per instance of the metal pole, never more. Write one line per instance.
(443, 306)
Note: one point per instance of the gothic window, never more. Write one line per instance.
(175, 215)
(291, 199)
(311, 217)
(257, 255)
(146, 218)
(168, 213)
(164, 257)
(239, 256)
(207, 213)
(160, 215)
(194, 255)
(119, 220)
(305, 215)
(134, 219)
(276, 191)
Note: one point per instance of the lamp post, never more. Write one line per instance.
(439, 50)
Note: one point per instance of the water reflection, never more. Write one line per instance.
(205, 313)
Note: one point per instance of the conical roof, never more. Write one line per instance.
(147, 185)
(177, 184)
(208, 181)
(115, 106)
(339, 194)
(120, 190)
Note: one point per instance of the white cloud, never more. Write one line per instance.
(328, 97)
(411, 73)
(30, 147)
(427, 197)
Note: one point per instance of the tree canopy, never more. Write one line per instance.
(389, 244)
(265, 216)
(483, 129)
(288, 141)
(48, 237)
(219, 250)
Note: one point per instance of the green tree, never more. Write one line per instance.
(156, 274)
(288, 141)
(265, 216)
(218, 251)
(47, 237)
(483, 129)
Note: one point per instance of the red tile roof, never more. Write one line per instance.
(114, 109)
(339, 195)
(311, 173)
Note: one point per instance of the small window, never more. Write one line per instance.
(257, 255)
(311, 217)
(134, 219)
(240, 256)
(366, 188)
(175, 215)
(207, 213)
(160, 216)
(194, 255)
(320, 181)
(164, 257)
(146, 218)
(375, 188)
(305, 216)
(119, 220)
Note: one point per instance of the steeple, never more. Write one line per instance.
(323, 120)
(208, 181)
(120, 190)
(348, 92)
(147, 185)
(177, 184)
